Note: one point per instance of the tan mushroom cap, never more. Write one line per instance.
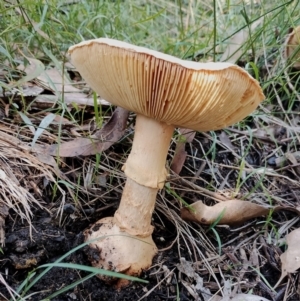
(198, 96)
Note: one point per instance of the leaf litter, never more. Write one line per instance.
(37, 160)
(290, 259)
(109, 134)
(52, 79)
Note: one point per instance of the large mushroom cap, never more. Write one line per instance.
(198, 96)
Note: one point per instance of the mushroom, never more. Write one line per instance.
(165, 92)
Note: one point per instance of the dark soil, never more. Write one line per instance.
(48, 239)
(49, 242)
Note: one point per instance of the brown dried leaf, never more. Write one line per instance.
(292, 48)
(186, 136)
(292, 159)
(196, 284)
(294, 209)
(52, 80)
(234, 49)
(111, 132)
(6, 110)
(290, 259)
(244, 297)
(26, 89)
(232, 212)
(47, 159)
(284, 160)
(225, 140)
(60, 120)
(47, 101)
(229, 290)
(32, 70)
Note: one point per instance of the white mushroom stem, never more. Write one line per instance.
(146, 173)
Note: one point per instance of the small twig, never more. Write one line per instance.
(153, 288)
(171, 245)
(214, 195)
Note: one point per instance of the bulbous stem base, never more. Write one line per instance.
(118, 251)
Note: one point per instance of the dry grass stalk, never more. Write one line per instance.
(20, 175)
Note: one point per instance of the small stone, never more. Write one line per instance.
(69, 209)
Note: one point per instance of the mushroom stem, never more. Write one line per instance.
(146, 162)
(146, 173)
(125, 243)
(135, 210)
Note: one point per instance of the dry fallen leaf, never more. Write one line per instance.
(292, 160)
(47, 100)
(51, 79)
(186, 136)
(229, 291)
(244, 297)
(292, 48)
(25, 90)
(195, 285)
(234, 49)
(290, 259)
(225, 140)
(32, 70)
(111, 132)
(231, 212)
(284, 160)
(58, 119)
